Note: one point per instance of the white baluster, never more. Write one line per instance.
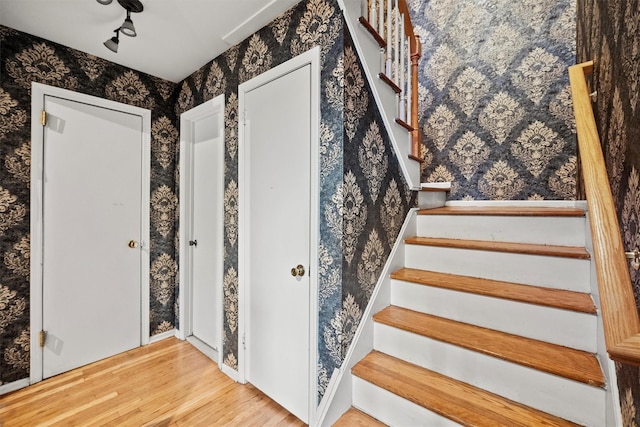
(364, 9)
(396, 46)
(381, 18)
(403, 48)
(387, 37)
(373, 14)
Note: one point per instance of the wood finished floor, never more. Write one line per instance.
(165, 384)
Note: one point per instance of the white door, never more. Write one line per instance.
(92, 185)
(202, 225)
(206, 243)
(277, 138)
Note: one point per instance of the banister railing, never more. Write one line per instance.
(619, 313)
(390, 24)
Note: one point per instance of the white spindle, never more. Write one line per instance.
(396, 46)
(403, 48)
(373, 14)
(381, 18)
(387, 37)
(364, 9)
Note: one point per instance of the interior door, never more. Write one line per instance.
(278, 138)
(207, 219)
(92, 181)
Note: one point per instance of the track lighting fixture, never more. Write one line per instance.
(127, 27)
(112, 43)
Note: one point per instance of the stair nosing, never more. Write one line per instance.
(534, 211)
(546, 297)
(502, 345)
(575, 252)
(486, 408)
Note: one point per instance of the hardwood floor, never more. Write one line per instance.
(165, 384)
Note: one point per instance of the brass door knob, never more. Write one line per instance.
(133, 244)
(298, 271)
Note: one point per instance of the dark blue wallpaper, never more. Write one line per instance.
(495, 102)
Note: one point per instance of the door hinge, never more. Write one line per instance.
(244, 344)
(42, 338)
(43, 117)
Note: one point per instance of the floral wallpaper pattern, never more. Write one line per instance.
(25, 59)
(609, 34)
(495, 103)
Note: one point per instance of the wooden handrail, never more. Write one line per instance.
(619, 313)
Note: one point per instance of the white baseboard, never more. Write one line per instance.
(230, 372)
(13, 386)
(328, 397)
(162, 336)
(204, 348)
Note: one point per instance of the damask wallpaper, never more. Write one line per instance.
(25, 59)
(375, 202)
(363, 197)
(609, 34)
(495, 103)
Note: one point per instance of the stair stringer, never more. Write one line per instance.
(386, 101)
(613, 411)
(338, 397)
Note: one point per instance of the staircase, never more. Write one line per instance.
(490, 323)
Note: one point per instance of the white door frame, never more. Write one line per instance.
(213, 108)
(38, 93)
(312, 58)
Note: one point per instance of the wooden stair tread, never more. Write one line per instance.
(492, 246)
(389, 82)
(548, 297)
(453, 399)
(404, 124)
(505, 211)
(563, 361)
(374, 33)
(355, 417)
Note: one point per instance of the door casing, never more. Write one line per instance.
(38, 93)
(312, 58)
(210, 110)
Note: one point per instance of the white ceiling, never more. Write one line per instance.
(175, 37)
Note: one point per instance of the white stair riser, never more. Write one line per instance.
(431, 200)
(392, 409)
(562, 327)
(552, 272)
(564, 231)
(559, 396)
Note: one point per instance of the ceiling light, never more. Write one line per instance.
(112, 43)
(127, 27)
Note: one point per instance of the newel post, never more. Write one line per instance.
(416, 53)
